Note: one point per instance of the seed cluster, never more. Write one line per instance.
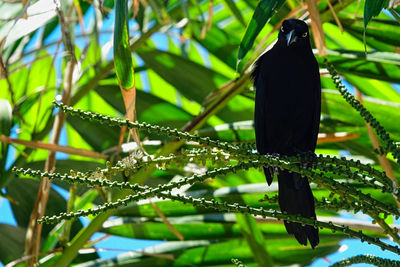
(367, 259)
(390, 145)
(325, 171)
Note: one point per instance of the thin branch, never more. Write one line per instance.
(339, 24)
(316, 26)
(3, 67)
(54, 147)
(166, 222)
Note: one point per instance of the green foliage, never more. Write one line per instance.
(5, 117)
(373, 8)
(315, 172)
(122, 52)
(262, 14)
(390, 145)
(195, 119)
(238, 263)
(367, 259)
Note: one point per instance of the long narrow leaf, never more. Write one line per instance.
(372, 8)
(5, 129)
(235, 11)
(264, 11)
(255, 239)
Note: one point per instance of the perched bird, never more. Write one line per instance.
(287, 116)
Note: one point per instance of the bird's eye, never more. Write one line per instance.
(282, 29)
(304, 34)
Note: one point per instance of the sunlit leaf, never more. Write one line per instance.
(122, 52)
(5, 117)
(373, 8)
(264, 11)
(191, 79)
(206, 253)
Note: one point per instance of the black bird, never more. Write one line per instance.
(287, 116)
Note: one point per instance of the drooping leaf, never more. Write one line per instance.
(264, 11)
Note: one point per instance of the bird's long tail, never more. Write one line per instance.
(296, 198)
(269, 174)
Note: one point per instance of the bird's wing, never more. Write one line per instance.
(273, 131)
(317, 114)
(261, 115)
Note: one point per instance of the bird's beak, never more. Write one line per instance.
(291, 38)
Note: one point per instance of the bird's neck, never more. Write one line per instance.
(295, 51)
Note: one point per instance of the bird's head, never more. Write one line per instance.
(294, 33)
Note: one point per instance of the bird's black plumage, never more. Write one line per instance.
(287, 116)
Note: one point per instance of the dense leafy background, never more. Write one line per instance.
(185, 61)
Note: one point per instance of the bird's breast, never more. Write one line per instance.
(290, 86)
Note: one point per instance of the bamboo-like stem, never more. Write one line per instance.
(34, 231)
(54, 147)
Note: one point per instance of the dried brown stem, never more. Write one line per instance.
(54, 147)
(316, 26)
